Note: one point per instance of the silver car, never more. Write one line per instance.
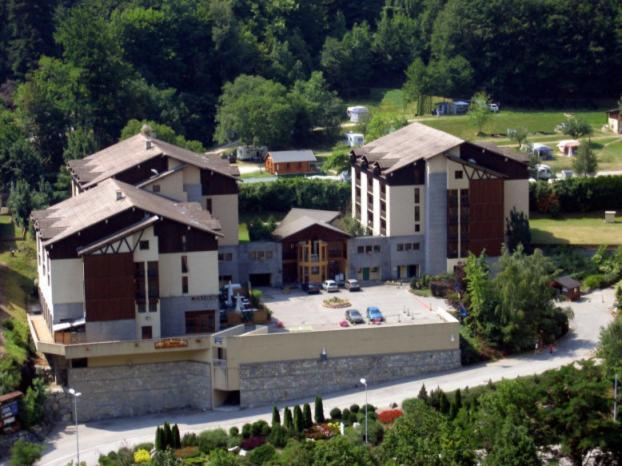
(330, 286)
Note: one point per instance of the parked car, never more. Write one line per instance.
(494, 108)
(565, 174)
(374, 314)
(330, 286)
(354, 316)
(311, 288)
(352, 284)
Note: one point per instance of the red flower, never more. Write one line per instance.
(389, 415)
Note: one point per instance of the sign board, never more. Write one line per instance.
(171, 343)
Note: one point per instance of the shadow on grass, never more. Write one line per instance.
(543, 237)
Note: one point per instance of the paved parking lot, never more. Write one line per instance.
(299, 311)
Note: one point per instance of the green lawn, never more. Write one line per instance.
(18, 268)
(243, 235)
(580, 229)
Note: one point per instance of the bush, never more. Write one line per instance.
(246, 430)
(335, 413)
(141, 456)
(234, 431)
(319, 410)
(370, 408)
(24, 453)
(576, 195)
(234, 441)
(252, 442)
(375, 432)
(278, 436)
(262, 454)
(594, 281)
(145, 446)
(31, 412)
(354, 408)
(389, 415)
(346, 416)
(260, 428)
(212, 439)
(190, 440)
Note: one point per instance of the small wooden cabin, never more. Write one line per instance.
(290, 162)
(569, 287)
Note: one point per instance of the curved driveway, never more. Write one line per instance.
(591, 314)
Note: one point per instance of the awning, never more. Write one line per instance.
(67, 325)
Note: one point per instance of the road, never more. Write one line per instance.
(592, 313)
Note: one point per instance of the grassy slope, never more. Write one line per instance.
(587, 229)
(17, 271)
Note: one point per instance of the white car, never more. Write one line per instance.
(330, 286)
(494, 108)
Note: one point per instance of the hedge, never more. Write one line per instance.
(576, 195)
(285, 193)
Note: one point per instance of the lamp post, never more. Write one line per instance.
(75, 396)
(364, 382)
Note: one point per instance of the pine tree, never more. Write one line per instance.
(306, 416)
(298, 420)
(167, 437)
(458, 400)
(159, 439)
(443, 405)
(423, 394)
(276, 417)
(176, 440)
(319, 410)
(288, 422)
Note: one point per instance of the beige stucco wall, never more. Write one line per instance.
(400, 201)
(353, 341)
(225, 209)
(202, 274)
(515, 193)
(171, 186)
(452, 181)
(364, 199)
(437, 164)
(67, 281)
(192, 175)
(353, 192)
(614, 124)
(147, 358)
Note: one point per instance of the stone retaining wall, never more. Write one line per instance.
(265, 383)
(133, 390)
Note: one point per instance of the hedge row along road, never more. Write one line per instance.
(591, 314)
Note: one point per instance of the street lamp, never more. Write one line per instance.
(75, 396)
(364, 382)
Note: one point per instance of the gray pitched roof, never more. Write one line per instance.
(284, 156)
(299, 219)
(132, 151)
(407, 145)
(109, 198)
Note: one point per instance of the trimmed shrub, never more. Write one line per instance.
(190, 440)
(278, 436)
(319, 410)
(246, 430)
(262, 454)
(276, 416)
(346, 416)
(355, 408)
(299, 425)
(234, 441)
(389, 415)
(576, 195)
(306, 416)
(335, 413)
(141, 456)
(370, 408)
(212, 439)
(144, 446)
(234, 431)
(175, 439)
(260, 428)
(288, 421)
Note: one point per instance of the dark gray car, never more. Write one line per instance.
(354, 317)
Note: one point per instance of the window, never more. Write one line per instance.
(458, 174)
(146, 332)
(360, 249)
(153, 284)
(184, 284)
(408, 246)
(225, 256)
(400, 247)
(140, 283)
(208, 204)
(376, 248)
(417, 228)
(417, 214)
(368, 249)
(417, 196)
(260, 255)
(183, 243)
(252, 255)
(415, 246)
(156, 188)
(184, 264)
(315, 270)
(153, 306)
(143, 245)
(268, 254)
(200, 321)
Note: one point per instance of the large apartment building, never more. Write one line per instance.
(437, 195)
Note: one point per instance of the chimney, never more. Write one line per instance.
(120, 195)
(148, 144)
(148, 133)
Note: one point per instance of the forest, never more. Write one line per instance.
(74, 73)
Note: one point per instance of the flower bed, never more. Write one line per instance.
(389, 415)
(322, 431)
(252, 442)
(336, 302)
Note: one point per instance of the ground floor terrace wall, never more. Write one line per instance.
(138, 389)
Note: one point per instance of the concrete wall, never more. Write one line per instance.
(241, 266)
(134, 390)
(388, 259)
(515, 194)
(436, 219)
(111, 330)
(171, 186)
(267, 383)
(400, 202)
(173, 310)
(376, 207)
